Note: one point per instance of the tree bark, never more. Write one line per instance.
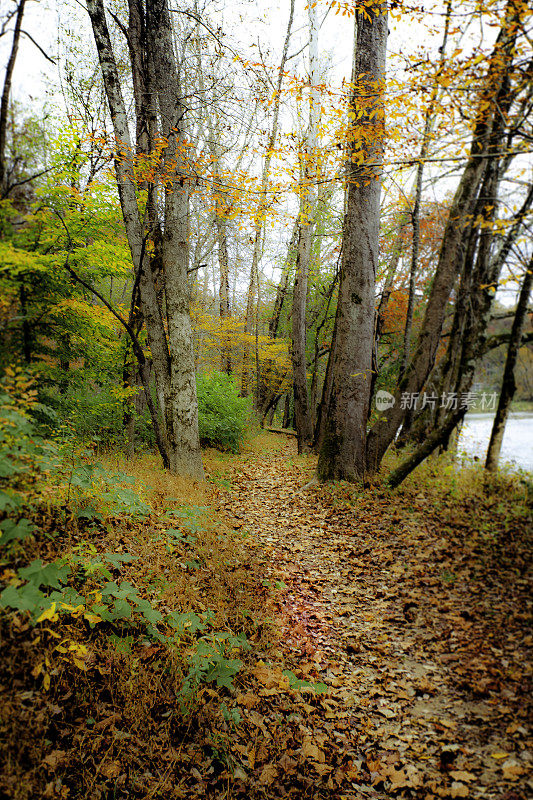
(281, 291)
(302, 415)
(185, 454)
(343, 449)
(4, 103)
(508, 382)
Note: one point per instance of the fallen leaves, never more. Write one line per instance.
(395, 666)
(386, 606)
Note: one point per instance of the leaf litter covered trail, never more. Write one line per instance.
(412, 612)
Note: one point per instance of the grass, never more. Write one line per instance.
(121, 721)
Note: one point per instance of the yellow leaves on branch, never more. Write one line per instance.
(367, 8)
(20, 387)
(214, 335)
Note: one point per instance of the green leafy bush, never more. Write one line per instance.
(222, 414)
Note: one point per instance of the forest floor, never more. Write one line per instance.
(413, 610)
(388, 630)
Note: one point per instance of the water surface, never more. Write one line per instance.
(517, 447)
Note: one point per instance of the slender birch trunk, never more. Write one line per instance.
(6, 91)
(302, 415)
(262, 208)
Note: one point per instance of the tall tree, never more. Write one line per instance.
(173, 356)
(343, 448)
(302, 415)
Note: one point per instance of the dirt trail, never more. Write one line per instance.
(419, 645)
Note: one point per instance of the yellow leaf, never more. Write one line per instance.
(92, 618)
(50, 614)
(46, 682)
(36, 671)
(80, 664)
(52, 633)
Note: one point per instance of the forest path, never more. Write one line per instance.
(387, 610)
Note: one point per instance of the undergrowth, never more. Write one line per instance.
(126, 617)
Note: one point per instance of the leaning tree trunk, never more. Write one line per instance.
(508, 383)
(482, 289)
(452, 252)
(342, 451)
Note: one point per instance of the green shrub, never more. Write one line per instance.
(222, 414)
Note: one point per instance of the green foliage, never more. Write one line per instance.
(301, 686)
(222, 414)
(82, 583)
(212, 661)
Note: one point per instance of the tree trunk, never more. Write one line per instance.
(185, 455)
(304, 425)
(384, 301)
(302, 415)
(342, 452)
(508, 382)
(286, 411)
(415, 215)
(452, 252)
(173, 365)
(4, 103)
(262, 206)
(281, 291)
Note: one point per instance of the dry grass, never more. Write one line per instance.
(159, 484)
(115, 729)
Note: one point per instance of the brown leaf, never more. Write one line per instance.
(310, 750)
(55, 758)
(458, 790)
(112, 769)
(512, 769)
(248, 700)
(268, 774)
(270, 677)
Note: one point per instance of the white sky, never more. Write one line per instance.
(248, 22)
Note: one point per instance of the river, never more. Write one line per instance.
(517, 447)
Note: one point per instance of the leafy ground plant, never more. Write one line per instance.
(104, 605)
